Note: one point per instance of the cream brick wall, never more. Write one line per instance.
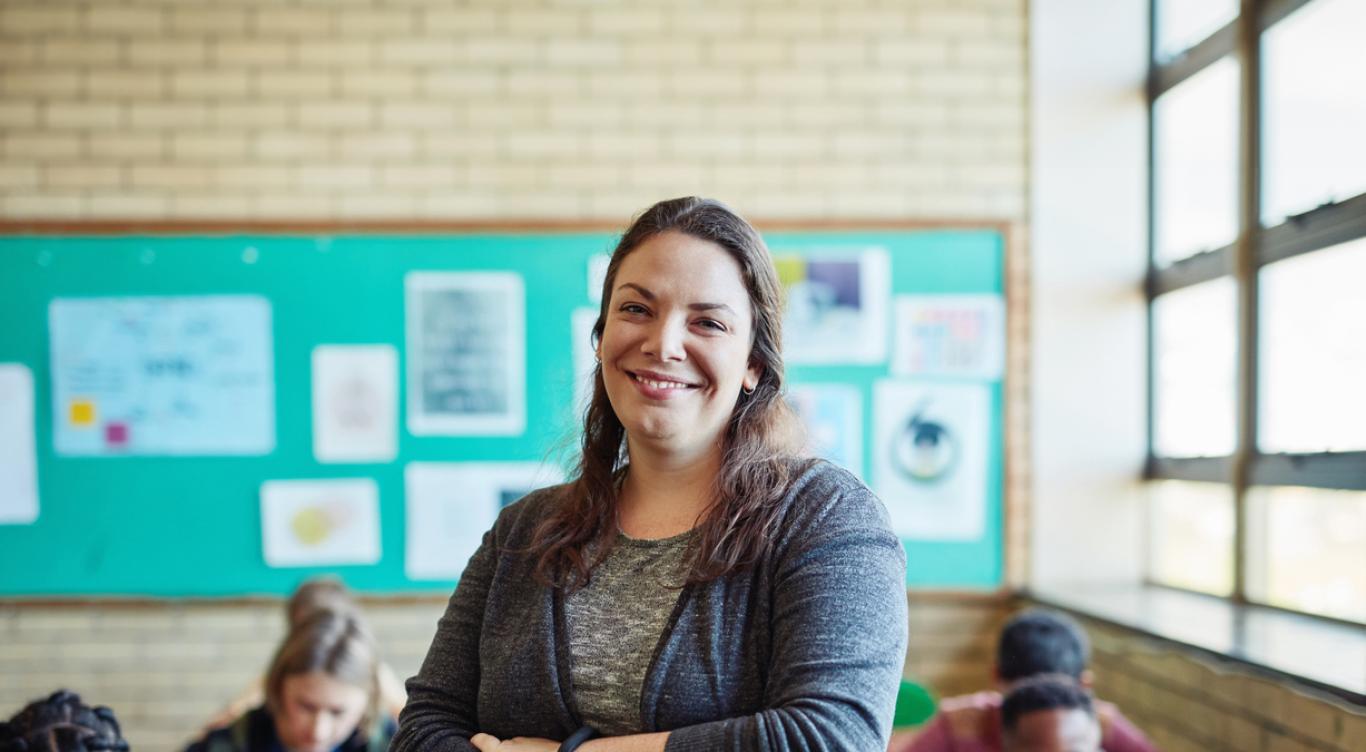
(261, 109)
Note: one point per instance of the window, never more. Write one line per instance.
(1257, 303)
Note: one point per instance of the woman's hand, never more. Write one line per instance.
(486, 743)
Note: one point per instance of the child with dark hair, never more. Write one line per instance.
(62, 723)
(1049, 713)
(1032, 643)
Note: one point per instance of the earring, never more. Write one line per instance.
(749, 391)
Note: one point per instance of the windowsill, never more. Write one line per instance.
(1322, 654)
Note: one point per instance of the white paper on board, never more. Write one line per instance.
(189, 375)
(836, 306)
(320, 522)
(581, 328)
(930, 457)
(18, 447)
(450, 505)
(466, 353)
(597, 275)
(355, 403)
(833, 417)
(961, 336)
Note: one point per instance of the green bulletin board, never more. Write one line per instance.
(190, 526)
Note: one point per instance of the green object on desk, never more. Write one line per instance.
(914, 705)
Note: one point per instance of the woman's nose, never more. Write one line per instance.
(665, 340)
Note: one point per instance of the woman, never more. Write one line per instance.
(322, 695)
(698, 585)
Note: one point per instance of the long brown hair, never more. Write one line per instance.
(760, 443)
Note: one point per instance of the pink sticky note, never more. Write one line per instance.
(116, 434)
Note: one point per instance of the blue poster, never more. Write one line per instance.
(162, 375)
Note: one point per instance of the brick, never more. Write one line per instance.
(419, 115)
(81, 177)
(122, 206)
(336, 178)
(706, 82)
(449, 82)
(246, 115)
(351, 52)
(213, 146)
(26, 177)
(915, 51)
(377, 205)
(79, 115)
(463, 205)
(209, 19)
(296, 21)
(807, 82)
(29, 206)
(291, 84)
(16, 114)
(467, 20)
(286, 144)
(414, 178)
(20, 52)
(124, 83)
(541, 82)
(686, 20)
(624, 21)
(124, 19)
(661, 52)
(851, 21)
(132, 145)
(385, 84)
(167, 115)
(419, 51)
(252, 176)
(46, 83)
(542, 21)
(797, 21)
(293, 205)
(209, 83)
(215, 205)
(380, 22)
(273, 53)
(168, 52)
(40, 145)
(755, 53)
(829, 52)
(385, 145)
(79, 51)
(338, 114)
(583, 52)
(29, 18)
(542, 144)
(502, 114)
(169, 178)
(502, 51)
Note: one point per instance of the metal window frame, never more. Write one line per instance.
(1255, 247)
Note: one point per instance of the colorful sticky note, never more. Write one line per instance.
(116, 434)
(82, 412)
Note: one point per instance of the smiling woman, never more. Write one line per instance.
(699, 584)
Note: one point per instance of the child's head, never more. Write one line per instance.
(62, 723)
(324, 593)
(1042, 642)
(1049, 713)
(322, 685)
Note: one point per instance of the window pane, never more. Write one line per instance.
(1182, 24)
(1313, 113)
(1194, 370)
(1307, 550)
(1313, 352)
(1196, 163)
(1191, 535)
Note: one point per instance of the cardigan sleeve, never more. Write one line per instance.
(838, 631)
(441, 712)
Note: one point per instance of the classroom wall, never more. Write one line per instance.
(424, 109)
(165, 668)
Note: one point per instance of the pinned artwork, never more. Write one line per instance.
(959, 336)
(355, 403)
(466, 353)
(833, 417)
(836, 305)
(162, 375)
(18, 450)
(320, 522)
(930, 457)
(451, 504)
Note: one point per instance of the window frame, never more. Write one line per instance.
(1254, 247)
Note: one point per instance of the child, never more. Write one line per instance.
(62, 723)
(1049, 714)
(315, 594)
(1032, 643)
(322, 694)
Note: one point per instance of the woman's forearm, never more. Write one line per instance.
(634, 743)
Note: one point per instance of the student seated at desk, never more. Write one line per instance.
(1049, 714)
(316, 594)
(62, 723)
(1033, 643)
(322, 695)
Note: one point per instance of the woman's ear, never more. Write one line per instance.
(752, 376)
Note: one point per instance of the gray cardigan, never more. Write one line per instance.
(802, 651)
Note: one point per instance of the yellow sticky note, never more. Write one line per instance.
(82, 412)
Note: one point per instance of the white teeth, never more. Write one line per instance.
(661, 384)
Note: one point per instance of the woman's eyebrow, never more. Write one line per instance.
(644, 293)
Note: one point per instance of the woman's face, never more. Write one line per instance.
(675, 346)
(318, 711)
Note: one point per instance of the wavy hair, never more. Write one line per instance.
(761, 441)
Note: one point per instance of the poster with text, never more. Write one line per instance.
(18, 449)
(450, 505)
(836, 305)
(355, 403)
(833, 417)
(959, 336)
(320, 522)
(162, 375)
(466, 353)
(930, 457)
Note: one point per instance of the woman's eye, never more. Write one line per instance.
(632, 308)
(711, 324)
